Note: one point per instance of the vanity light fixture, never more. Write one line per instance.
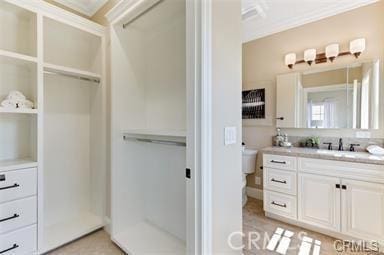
(310, 56)
(357, 46)
(290, 60)
(332, 51)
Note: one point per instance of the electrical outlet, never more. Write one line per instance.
(257, 180)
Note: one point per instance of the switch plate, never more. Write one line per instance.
(230, 135)
(257, 180)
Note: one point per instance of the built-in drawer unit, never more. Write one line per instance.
(280, 162)
(280, 204)
(280, 180)
(19, 242)
(18, 214)
(17, 184)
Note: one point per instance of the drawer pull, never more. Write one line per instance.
(278, 162)
(10, 187)
(15, 246)
(10, 218)
(277, 204)
(278, 181)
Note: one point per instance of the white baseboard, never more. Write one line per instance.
(255, 193)
(107, 226)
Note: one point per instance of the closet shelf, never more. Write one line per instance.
(14, 164)
(72, 72)
(17, 57)
(18, 110)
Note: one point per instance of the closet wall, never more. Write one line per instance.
(149, 104)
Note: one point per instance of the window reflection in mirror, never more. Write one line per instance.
(342, 97)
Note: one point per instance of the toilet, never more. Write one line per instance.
(248, 166)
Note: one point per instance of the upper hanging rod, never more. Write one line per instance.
(147, 140)
(141, 14)
(96, 80)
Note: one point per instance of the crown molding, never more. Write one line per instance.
(59, 14)
(88, 9)
(251, 33)
(128, 9)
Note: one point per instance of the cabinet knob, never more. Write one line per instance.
(280, 118)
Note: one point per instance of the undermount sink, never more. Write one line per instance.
(347, 154)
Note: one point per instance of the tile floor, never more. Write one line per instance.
(254, 221)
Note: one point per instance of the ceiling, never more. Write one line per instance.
(86, 7)
(266, 17)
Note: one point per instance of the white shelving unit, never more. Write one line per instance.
(149, 188)
(18, 110)
(57, 60)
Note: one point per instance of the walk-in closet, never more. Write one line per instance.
(52, 127)
(149, 129)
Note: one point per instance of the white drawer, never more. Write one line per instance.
(280, 162)
(17, 184)
(280, 204)
(17, 214)
(280, 181)
(19, 242)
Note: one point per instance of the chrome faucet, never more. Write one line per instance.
(341, 146)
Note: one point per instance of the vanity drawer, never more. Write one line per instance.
(280, 162)
(280, 181)
(19, 242)
(17, 214)
(280, 204)
(17, 184)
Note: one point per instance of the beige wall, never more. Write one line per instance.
(263, 59)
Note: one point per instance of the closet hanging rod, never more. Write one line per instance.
(141, 14)
(147, 140)
(96, 80)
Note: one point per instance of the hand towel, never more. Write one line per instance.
(375, 150)
(16, 96)
(25, 104)
(8, 104)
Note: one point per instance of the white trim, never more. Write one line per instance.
(107, 225)
(255, 193)
(206, 127)
(87, 9)
(61, 15)
(316, 15)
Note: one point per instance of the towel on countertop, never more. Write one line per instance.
(375, 150)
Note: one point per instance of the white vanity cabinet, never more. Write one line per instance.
(319, 201)
(363, 209)
(338, 198)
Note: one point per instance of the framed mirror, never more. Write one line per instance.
(337, 97)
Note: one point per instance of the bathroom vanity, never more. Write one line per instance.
(340, 194)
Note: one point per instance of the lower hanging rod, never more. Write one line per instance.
(156, 141)
(95, 80)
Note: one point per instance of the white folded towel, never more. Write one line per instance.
(375, 150)
(8, 104)
(25, 104)
(16, 96)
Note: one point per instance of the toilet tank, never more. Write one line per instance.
(249, 161)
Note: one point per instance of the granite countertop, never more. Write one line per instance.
(356, 157)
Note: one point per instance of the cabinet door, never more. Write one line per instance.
(363, 209)
(288, 100)
(319, 201)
